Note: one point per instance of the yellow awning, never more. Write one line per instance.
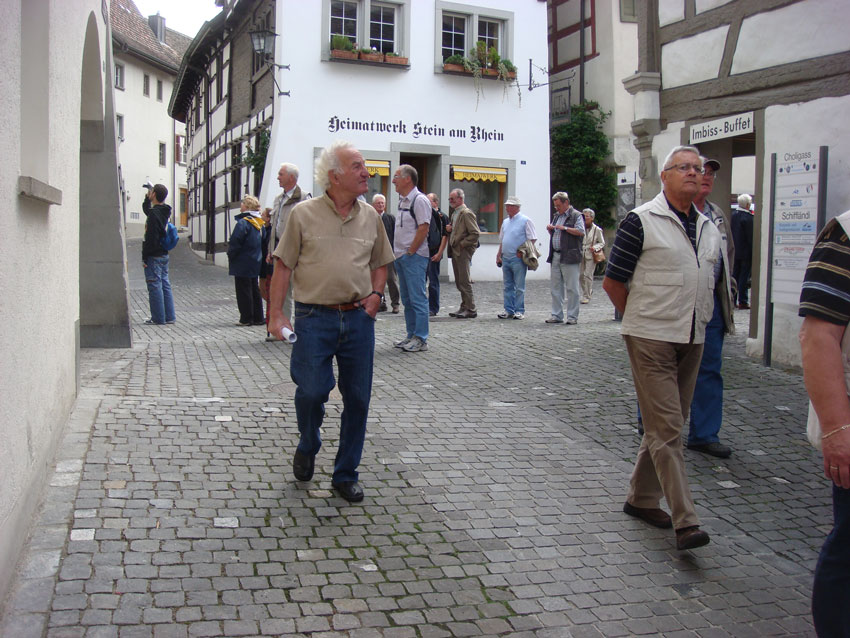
(378, 167)
(480, 173)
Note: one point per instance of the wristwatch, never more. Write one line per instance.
(375, 292)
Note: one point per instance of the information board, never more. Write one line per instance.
(799, 184)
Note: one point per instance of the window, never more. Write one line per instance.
(159, 90)
(460, 31)
(119, 126)
(628, 11)
(376, 24)
(146, 85)
(162, 153)
(484, 192)
(344, 19)
(382, 28)
(180, 149)
(454, 35)
(119, 76)
(236, 173)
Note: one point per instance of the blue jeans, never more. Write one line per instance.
(322, 335)
(831, 589)
(433, 286)
(159, 289)
(707, 404)
(565, 277)
(411, 285)
(513, 275)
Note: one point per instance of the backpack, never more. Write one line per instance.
(435, 232)
(169, 240)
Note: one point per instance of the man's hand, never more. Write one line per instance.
(836, 458)
(277, 322)
(371, 304)
(448, 228)
(438, 257)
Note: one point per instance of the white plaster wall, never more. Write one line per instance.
(320, 90)
(707, 5)
(146, 124)
(670, 11)
(812, 124)
(799, 31)
(744, 175)
(40, 262)
(693, 59)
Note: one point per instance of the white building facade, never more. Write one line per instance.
(487, 136)
(750, 81)
(152, 145)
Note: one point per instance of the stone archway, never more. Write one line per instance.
(104, 304)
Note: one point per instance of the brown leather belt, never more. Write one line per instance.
(342, 307)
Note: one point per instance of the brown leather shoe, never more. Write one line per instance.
(652, 515)
(691, 537)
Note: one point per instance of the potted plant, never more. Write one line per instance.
(454, 64)
(395, 58)
(507, 69)
(343, 48)
(371, 55)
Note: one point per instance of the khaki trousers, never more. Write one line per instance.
(665, 375)
(460, 265)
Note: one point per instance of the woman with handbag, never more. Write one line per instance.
(593, 252)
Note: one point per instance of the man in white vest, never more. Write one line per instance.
(660, 277)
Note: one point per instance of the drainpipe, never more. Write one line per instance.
(581, 55)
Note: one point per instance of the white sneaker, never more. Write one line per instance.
(519, 315)
(402, 343)
(571, 322)
(416, 345)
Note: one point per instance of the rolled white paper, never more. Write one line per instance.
(287, 335)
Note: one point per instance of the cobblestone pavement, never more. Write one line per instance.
(495, 471)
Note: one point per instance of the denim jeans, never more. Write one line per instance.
(565, 276)
(513, 275)
(433, 286)
(707, 404)
(831, 589)
(322, 335)
(159, 289)
(411, 284)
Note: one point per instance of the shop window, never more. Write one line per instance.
(379, 178)
(461, 30)
(484, 192)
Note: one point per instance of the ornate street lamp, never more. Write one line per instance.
(262, 40)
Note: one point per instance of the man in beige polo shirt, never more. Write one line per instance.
(336, 251)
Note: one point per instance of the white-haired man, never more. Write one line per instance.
(379, 203)
(287, 178)
(742, 234)
(660, 278)
(336, 251)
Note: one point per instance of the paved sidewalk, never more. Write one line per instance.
(495, 471)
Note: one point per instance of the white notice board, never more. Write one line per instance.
(799, 184)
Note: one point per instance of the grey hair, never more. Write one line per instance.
(680, 149)
(589, 211)
(329, 161)
(291, 169)
(564, 197)
(744, 201)
(459, 192)
(406, 170)
(378, 196)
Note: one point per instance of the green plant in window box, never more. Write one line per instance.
(371, 55)
(454, 64)
(507, 74)
(395, 58)
(342, 47)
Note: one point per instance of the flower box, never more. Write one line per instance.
(395, 59)
(342, 54)
(454, 68)
(374, 56)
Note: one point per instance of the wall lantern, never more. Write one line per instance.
(262, 40)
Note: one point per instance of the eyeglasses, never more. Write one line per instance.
(686, 168)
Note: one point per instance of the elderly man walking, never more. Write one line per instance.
(336, 250)
(660, 277)
(565, 255)
(515, 231)
(410, 247)
(463, 241)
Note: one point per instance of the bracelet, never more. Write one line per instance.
(835, 431)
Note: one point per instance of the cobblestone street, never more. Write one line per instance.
(495, 471)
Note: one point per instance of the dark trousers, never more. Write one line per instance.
(741, 274)
(433, 274)
(248, 300)
(831, 589)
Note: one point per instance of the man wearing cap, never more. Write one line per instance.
(565, 255)
(516, 230)
(707, 404)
